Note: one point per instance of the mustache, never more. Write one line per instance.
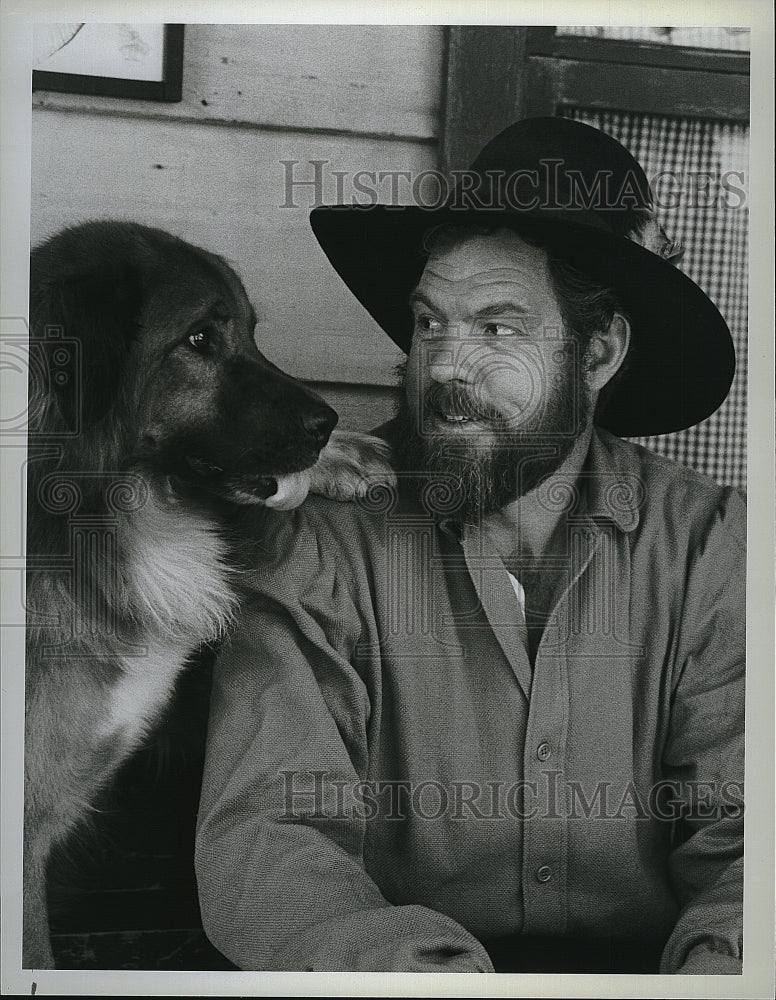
(457, 399)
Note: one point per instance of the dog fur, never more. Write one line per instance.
(151, 413)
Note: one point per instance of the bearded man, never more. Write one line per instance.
(494, 721)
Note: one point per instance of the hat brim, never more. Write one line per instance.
(681, 362)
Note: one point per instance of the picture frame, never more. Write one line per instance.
(139, 61)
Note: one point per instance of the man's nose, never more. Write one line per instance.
(449, 359)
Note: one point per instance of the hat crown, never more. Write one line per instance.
(559, 168)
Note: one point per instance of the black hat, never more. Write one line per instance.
(584, 196)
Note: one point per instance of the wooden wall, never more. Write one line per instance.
(210, 170)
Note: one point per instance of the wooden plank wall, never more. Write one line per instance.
(210, 169)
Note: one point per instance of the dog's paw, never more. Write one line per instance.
(350, 464)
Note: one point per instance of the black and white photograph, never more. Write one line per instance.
(387, 445)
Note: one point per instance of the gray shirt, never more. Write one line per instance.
(390, 780)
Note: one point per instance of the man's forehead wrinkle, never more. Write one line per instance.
(496, 250)
(455, 271)
(502, 282)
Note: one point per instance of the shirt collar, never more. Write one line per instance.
(611, 487)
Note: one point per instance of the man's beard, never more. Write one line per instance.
(483, 472)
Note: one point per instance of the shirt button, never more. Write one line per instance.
(543, 751)
(543, 874)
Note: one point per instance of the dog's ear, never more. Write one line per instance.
(84, 323)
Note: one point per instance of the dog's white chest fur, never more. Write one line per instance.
(176, 587)
(142, 692)
(175, 572)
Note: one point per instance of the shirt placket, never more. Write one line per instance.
(500, 604)
(545, 830)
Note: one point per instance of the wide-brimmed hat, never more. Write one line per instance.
(587, 199)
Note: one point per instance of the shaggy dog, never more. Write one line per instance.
(151, 412)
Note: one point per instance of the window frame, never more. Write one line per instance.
(633, 76)
(540, 74)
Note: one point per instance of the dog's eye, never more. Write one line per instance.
(201, 340)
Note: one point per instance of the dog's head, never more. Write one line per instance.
(163, 364)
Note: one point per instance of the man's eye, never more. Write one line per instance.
(500, 330)
(518, 326)
(201, 341)
(428, 326)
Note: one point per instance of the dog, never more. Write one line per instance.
(151, 413)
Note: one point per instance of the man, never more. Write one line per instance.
(495, 721)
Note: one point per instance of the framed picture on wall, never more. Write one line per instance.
(143, 61)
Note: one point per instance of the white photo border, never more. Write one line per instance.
(760, 878)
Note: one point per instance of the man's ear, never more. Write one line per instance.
(83, 324)
(606, 352)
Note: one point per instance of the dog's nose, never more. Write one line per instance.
(319, 423)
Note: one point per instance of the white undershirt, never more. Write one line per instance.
(519, 592)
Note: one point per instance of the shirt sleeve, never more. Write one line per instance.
(704, 754)
(279, 853)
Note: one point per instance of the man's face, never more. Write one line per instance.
(494, 390)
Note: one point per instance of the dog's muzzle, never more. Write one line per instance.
(280, 492)
(203, 468)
